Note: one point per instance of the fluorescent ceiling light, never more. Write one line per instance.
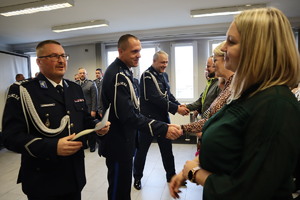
(78, 26)
(223, 10)
(36, 6)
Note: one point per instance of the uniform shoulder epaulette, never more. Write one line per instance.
(147, 74)
(70, 82)
(23, 82)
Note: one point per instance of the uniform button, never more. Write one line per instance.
(47, 115)
(72, 125)
(68, 112)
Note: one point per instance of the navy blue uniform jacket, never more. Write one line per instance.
(42, 170)
(157, 100)
(119, 142)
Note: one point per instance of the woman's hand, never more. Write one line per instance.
(190, 164)
(200, 176)
(175, 183)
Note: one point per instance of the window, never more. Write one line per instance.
(111, 56)
(144, 62)
(34, 67)
(213, 44)
(184, 70)
(146, 59)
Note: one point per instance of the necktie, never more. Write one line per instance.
(59, 89)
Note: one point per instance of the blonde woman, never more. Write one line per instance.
(250, 147)
(217, 104)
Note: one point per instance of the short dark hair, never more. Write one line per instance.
(99, 69)
(41, 44)
(123, 40)
(19, 76)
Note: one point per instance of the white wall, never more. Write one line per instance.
(81, 56)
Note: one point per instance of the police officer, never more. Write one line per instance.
(118, 145)
(98, 81)
(156, 102)
(91, 96)
(39, 121)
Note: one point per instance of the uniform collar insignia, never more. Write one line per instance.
(127, 72)
(43, 84)
(153, 71)
(66, 84)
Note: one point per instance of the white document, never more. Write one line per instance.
(97, 127)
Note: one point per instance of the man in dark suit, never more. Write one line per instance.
(98, 81)
(118, 92)
(156, 102)
(90, 94)
(39, 120)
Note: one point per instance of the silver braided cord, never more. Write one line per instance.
(156, 85)
(28, 106)
(164, 95)
(134, 99)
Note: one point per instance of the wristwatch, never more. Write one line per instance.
(192, 174)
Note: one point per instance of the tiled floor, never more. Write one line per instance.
(154, 182)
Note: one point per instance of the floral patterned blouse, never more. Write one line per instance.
(216, 105)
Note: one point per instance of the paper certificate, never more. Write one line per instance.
(97, 127)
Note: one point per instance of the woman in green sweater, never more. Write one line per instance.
(250, 147)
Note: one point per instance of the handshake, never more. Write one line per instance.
(183, 110)
(174, 132)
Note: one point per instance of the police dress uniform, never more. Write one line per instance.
(98, 83)
(118, 145)
(43, 173)
(156, 102)
(91, 97)
(90, 93)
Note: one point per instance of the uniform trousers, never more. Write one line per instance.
(119, 178)
(165, 147)
(92, 137)
(297, 175)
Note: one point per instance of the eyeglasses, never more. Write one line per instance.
(55, 57)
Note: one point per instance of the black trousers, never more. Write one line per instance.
(165, 147)
(119, 178)
(92, 137)
(297, 175)
(71, 196)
